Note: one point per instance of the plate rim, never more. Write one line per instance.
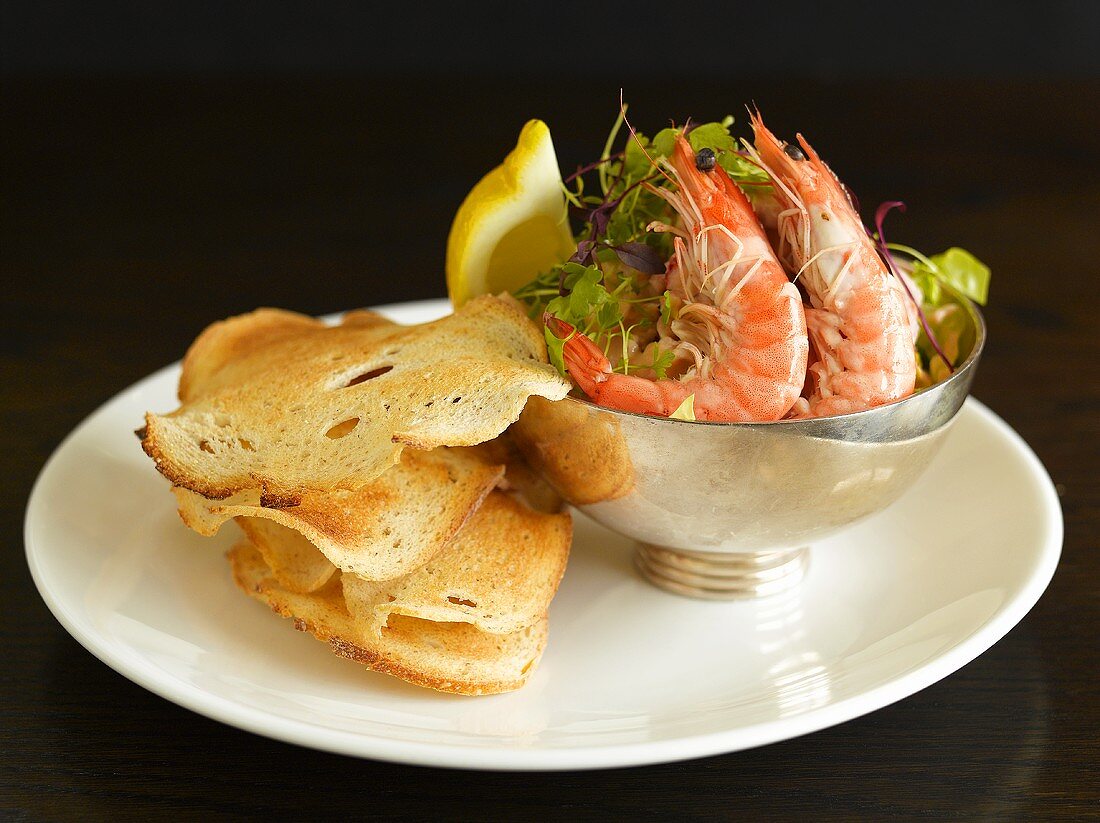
(521, 759)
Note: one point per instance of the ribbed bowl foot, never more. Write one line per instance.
(713, 576)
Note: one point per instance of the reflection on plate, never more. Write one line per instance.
(632, 675)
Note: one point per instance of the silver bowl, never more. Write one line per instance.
(724, 510)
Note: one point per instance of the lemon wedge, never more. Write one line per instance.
(513, 223)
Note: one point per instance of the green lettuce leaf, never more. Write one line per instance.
(714, 136)
(741, 169)
(635, 163)
(955, 335)
(956, 267)
(555, 348)
(664, 142)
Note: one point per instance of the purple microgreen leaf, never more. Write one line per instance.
(883, 210)
(599, 219)
(641, 257)
(584, 252)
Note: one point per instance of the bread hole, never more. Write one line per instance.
(456, 399)
(527, 668)
(459, 601)
(204, 445)
(342, 429)
(246, 445)
(368, 375)
(390, 598)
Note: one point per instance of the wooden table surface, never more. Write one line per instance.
(137, 211)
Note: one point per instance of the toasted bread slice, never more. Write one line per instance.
(519, 478)
(448, 657)
(577, 448)
(387, 528)
(296, 563)
(282, 403)
(499, 573)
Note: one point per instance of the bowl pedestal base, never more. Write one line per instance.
(714, 576)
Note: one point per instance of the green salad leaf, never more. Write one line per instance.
(965, 272)
(956, 267)
(555, 348)
(636, 164)
(664, 142)
(666, 307)
(714, 135)
(955, 335)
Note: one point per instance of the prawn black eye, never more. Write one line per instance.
(794, 152)
(705, 160)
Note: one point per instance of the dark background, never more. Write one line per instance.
(565, 39)
(164, 165)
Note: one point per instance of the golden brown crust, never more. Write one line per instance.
(151, 445)
(365, 318)
(499, 573)
(380, 531)
(578, 449)
(234, 338)
(520, 479)
(279, 401)
(279, 501)
(296, 563)
(380, 663)
(324, 615)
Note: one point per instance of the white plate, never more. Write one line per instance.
(632, 675)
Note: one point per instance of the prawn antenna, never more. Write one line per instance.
(638, 140)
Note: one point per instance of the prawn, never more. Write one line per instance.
(739, 334)
(858, 320)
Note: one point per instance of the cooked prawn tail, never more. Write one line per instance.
(584, 360)
(558, 327)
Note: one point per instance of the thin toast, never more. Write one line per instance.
(281, 403)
